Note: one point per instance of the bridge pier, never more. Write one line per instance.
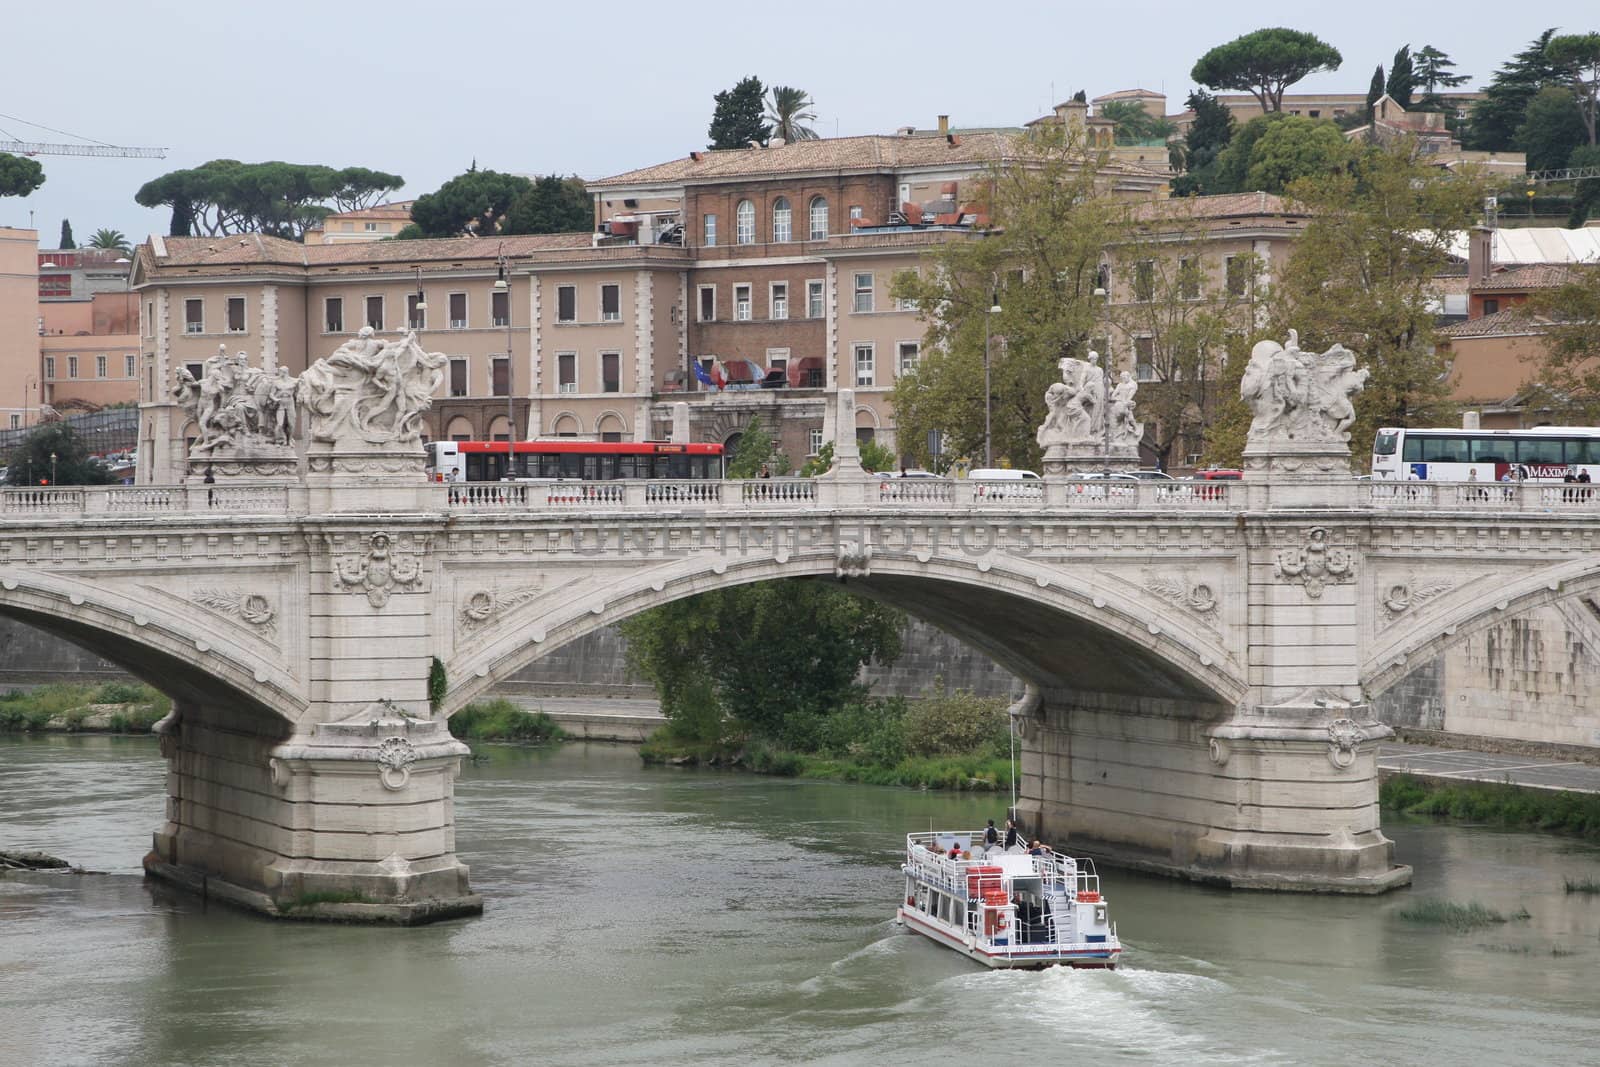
(1282, 798)
(351, 821)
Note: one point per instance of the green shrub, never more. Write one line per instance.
(137, 718)
(765, 760)
(1504, 805)
(955, 721)
(121, 693)
(871, 730)
(1583, 885)
(501, 720)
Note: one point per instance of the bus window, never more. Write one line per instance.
(1413, 449)
(1444, 449)
(1386, 443)
(1491, 450)
(571, 465)
(1583, 450)
(1541, 450)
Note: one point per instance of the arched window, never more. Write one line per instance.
(781, 228)
(744, 223)
(819, 219)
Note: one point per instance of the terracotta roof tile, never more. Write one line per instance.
(1533, 276)
(1511, 322)
(256, 249)
(1218, 206)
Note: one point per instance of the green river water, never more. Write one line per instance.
(660, 916)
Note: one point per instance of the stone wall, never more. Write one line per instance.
(29, 656)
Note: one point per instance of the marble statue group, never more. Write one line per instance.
(369, 392)
(1080, 413)
(1301, 396)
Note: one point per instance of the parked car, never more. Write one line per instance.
(1145, 474)
(1004, 483)
(1120, 483)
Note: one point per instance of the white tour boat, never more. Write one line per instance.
(1006, 908)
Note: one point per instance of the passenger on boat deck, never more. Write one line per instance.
(991, 837)
(1013, 839)
(955, 850)
(1035, 848)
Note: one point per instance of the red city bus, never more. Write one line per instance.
(485, 461)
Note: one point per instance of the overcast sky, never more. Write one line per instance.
(421, 89)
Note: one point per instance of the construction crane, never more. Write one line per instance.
(93, 148)
(1563, 174)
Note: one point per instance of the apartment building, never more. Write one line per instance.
(19, 326)
(365, 224)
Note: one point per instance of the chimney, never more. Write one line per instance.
(1469, 420)
(944, 125)
(1480, 255)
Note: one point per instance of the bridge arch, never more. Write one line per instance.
(1072, 630)
(1460, 615)
(188, 658)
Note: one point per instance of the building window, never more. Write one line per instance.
(905, 194)
(813, 441)
(1237, 270)
(333, 314)
(149, 318)
(50, 368)
(741, 303)
(370, 227)
(708, 303)
(458, 376)
(610, 303)
(1189, 278)
(744, 223)
(863, 292)
(1144, 281)
(1490, 305)
(814, 300)
(782, 225)
(855, 212)
(610, 372)
(500, 376)
(777, 359)
(458, 311)
(72, 367)
(196, 370)
(416, 314)
(130, 367)
(819, 219)
(375, 312)
(708, 228)
(16, 421)
(864, 364)
(194, 316)
(99, 366)
(907, 354)
(567, 372)
(500, 308)
(567, 303)
(236, 314)
(780, 300)
(1144, 355)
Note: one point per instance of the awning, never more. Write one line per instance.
(800, 370)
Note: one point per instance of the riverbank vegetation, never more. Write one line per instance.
(501, 720)
(120, 707)
(1501, 805)
(1452, 915)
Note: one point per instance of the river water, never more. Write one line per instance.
(662, 916)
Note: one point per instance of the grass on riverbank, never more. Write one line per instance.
(1501, 805)
(501, 720)
(1590, 886)
(1448, 913)
(136, 707)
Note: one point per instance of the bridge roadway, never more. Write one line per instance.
(1198, 657)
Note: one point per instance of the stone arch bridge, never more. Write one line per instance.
(1200, 657)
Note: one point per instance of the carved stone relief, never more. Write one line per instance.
(378, 572)
(1316, 564)
(1198, 597)
(853, 560)
(485, 605)
(1402, 596)
(252, 608)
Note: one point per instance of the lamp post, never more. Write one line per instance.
(52, 468)
(1105, 402)
(988, 445)
(503, 285)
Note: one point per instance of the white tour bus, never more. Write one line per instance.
(1541, 454)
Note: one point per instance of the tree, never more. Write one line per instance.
(1569, 375)
(226, 196)
(111, 239)
(1270, 151)
(553, 205)
(1586, 193)
(471, 204)
(1402, 77)
(756, 449)
(1042, 262)
(1135, 125)
(1213, 127)
(788, 111)
(358, 188)
(874, 458)
(30, 463)
(773, 659)
(1496, 117)
(738, 118)
(19, 175)
(1435, 71)
(1577, 57)
(66, 235)
(1551, 129)
(1265, 63)
(1362, 274)
(1375, 92)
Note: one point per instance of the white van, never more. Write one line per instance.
(1002, 483)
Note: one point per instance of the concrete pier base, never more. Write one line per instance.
(1282, 799)
(352, 822)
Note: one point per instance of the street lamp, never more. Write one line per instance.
(1105, 403)
(421, 308)
(988, 444)
(503, 285)
(52, 468)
